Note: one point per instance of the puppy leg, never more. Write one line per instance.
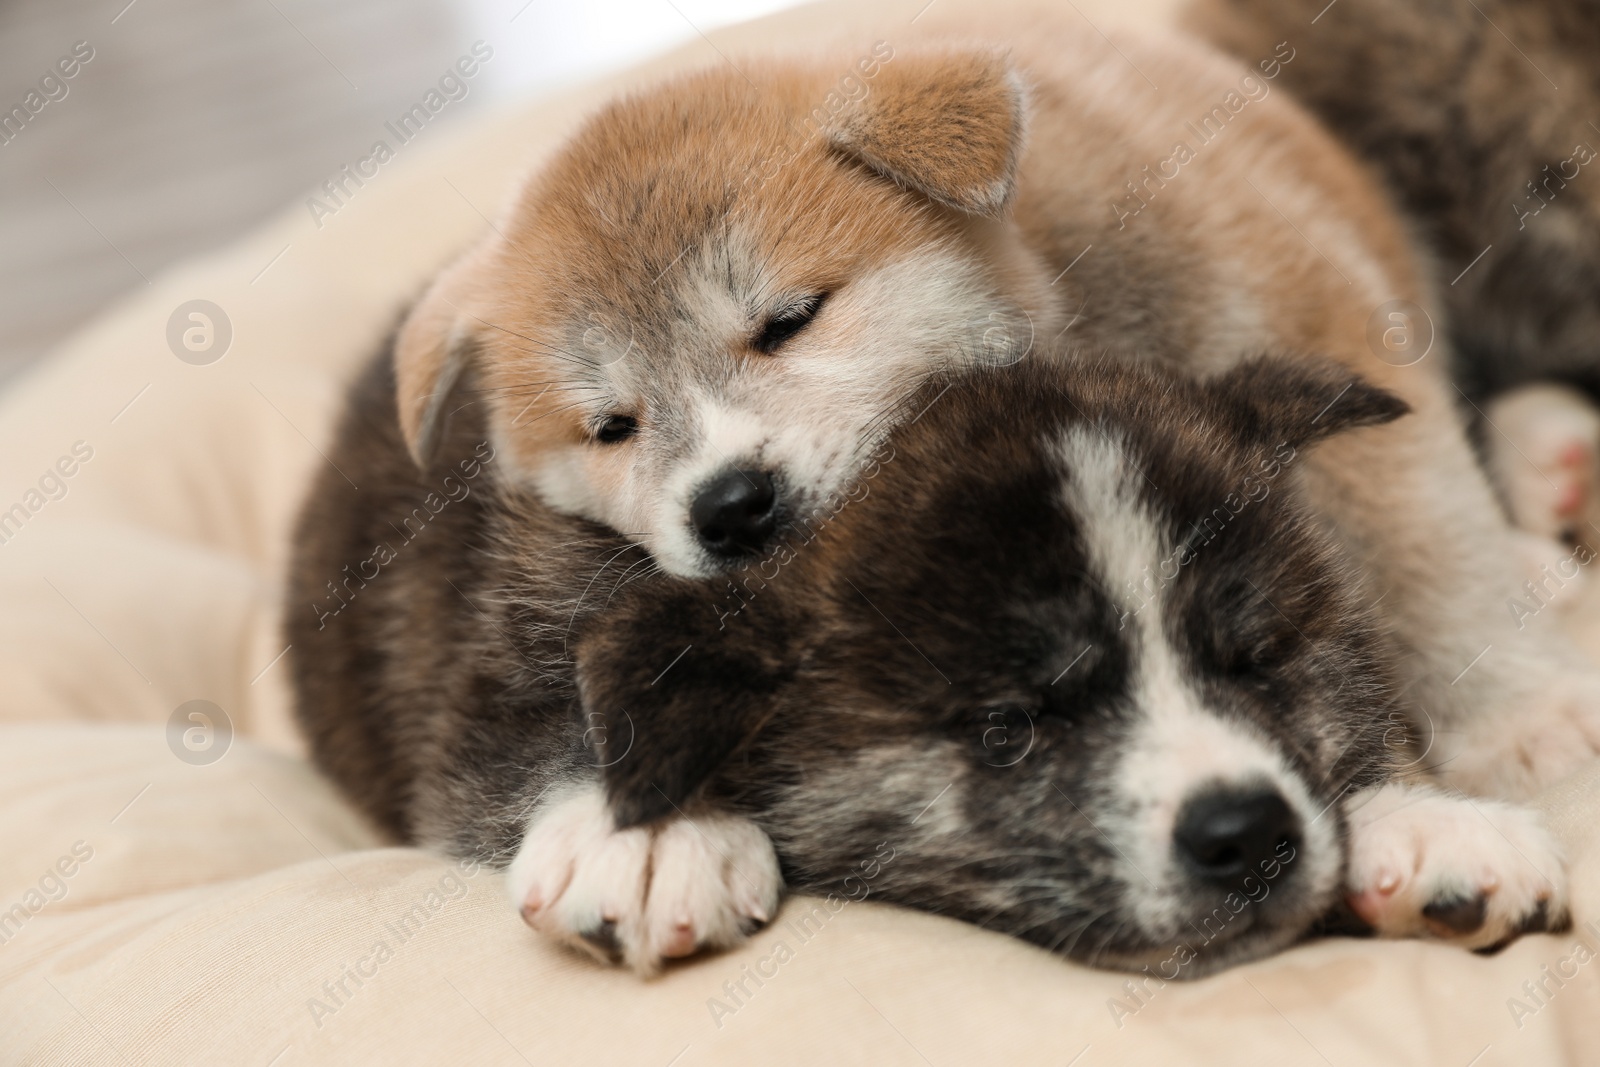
(646, 894)
(1504, 703)
(1554, 568)
(1474, 873)
(1544, 454)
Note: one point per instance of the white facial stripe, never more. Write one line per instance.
(726, 438)
(1179, 746)
(729, 437)
(1123, 540)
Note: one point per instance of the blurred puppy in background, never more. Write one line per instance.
(1481, 115)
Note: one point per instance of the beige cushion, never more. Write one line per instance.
(238, 912)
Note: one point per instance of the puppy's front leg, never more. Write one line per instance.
(1502, 699)
(1475, 873)
(1543, 449)
(646, 894)
(629, 860)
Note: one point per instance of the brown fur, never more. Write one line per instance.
(1467, 109)
(1272, 237)
(947, 126)
(444, 695)
(633, 276)
(390, 668)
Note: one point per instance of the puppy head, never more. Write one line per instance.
(1076, 653)
(695, 319)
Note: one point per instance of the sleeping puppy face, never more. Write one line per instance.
(1074, 654)
(698, 315)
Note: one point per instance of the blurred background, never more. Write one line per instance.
(192, 120)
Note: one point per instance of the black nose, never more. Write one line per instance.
(1224, 834)
(733, 513)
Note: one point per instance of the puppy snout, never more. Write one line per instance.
(735, 513)
(1223, 834)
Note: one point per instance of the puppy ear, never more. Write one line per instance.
(676, 693)
(1301, 400)
(437, 341)
(947, 125)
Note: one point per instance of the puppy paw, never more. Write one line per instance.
(1474, 873)
(647, 894)
(1544, 452)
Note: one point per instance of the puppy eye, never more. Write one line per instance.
(1258, 655)
(1005, 733)
(788, 322)
(1245, 636)
(616, 428)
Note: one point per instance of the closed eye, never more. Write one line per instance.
(1250, 645)
(616, 428)
(788, 322)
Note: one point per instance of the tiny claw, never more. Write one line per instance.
(532, 904)
(1388, 882)
(682, 941)
(1569, 500)
(1450, 916)
(1367, 906)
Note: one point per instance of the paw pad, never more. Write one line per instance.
(1453, 915)
(604, 938)
(1476, 873)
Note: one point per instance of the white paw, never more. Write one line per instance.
(643, 895)
(1476, 873)
(1544, 452)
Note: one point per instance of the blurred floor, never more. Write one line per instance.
(197, 118)
(192, 121)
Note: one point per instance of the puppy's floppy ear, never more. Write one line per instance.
(436, 343)
(948, 125)
(1301, 400)
(677, 691)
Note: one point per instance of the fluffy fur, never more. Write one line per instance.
(1063, 601)
(1480, 114)
(1481, 117)
(1022, 202)
(641, 272)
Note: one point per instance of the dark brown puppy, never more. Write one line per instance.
(429, 615)
(1071, 661)
(1481, 116)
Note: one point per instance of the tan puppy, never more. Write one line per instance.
(690, 319)
(693, 323)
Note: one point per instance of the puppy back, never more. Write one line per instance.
(379, 639)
